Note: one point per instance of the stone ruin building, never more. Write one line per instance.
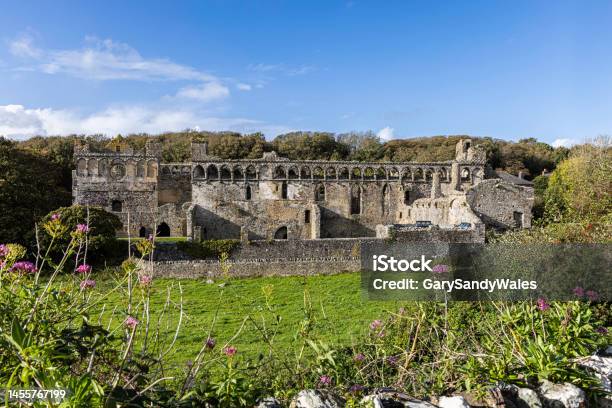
(277, 198)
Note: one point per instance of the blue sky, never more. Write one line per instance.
(403, 69)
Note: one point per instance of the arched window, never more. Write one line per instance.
(226, 173)
(117, 206)
(247, 193)
(355, 200)
(198, 172)
(284, 190)
(384, 200)
(140, 169)
(163, 230)
(212, 173)
(251, 174)
(465, 174)
(407, 197)
(142, 232)
(320, 192)
(281, 233)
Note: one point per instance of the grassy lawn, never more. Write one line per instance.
(331, 306)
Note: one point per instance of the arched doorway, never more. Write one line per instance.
(142, 232)
(163, 230)
(281, 233)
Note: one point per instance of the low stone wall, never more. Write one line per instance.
(256, 267)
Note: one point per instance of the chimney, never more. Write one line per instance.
(520, 175)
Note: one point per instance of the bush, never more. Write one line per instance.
(102, 228)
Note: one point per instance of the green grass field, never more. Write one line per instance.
(330, 306)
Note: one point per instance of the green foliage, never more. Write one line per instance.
(102, 229)
(213, 248)
(30, 186)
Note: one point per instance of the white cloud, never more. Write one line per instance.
(18, 122)
(104, 60)
(385, 133)
(206, 92)
(243, 87)
(282, 68)
(564, 142)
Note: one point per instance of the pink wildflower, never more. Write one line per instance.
(325, 380)
(4, 250)
(88, 284)
(376, 324)
(359, 357)
(210, 343)
(55, 217)
(82, 228)
(356, 389)
(23, 267)
(542, 304)
(440, 269)
(145, 280)
(592, 295)
(578, 291)
(131, 322)
(230, 351)
(602, 330)
(83, 268)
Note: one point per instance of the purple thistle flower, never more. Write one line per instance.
(392, 360)
(602, 330)
(131, 322)
(592, 295)
(83, 268)
(210, 343)
(542, 304)
(230, 351)
(55, 217)
(356, 389)
(376, 324)
(88, 284)
(578, 291)
(440, 268)
(325, 380)
(145, 280)
(82, 228)
(4, 250)
(23, 267)
(359, 357)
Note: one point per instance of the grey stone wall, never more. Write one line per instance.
(500, 204)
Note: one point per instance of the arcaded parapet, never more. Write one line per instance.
(500, 204)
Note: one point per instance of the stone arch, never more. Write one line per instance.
(284, 190)
(293, 173)
(198, 171)
(165, 170)
(248, 193)
(381, 173)
(130, 168)
(238, 174)
(226, 172)
(343, 173)
(280, 172)
(318, 173)
(163, 230)
(305, 173)
(140, 168)
(442, 173)
(92, 167)
(212, 172)
(152, 168)
(418, 174)
(406, 174)
(81, 167)
(281, 233)
(320, 192)
(103, 168)
(428, 174)
(368, 173)
(356, 172)
(330, 173)
(264, 172)
(465, 174)
(384, 199)
(251, 173)
(355, 199)
(393, 173)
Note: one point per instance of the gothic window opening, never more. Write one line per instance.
(142, 232)
(518, 219)
(320, 193)
(384, 200)
(212, 173)
(407, 197)
(117, 206)
(307, 217)
(355, 200)
(247, 194)
(465, 174)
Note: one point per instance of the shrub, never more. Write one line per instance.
(213, 248)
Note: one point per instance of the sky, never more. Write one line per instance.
(402, 69)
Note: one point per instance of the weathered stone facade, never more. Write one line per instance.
(277, 198)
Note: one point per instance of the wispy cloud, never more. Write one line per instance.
(282, 68)
(386, 133)
(103, 60)
(18, 122)
(243, 87)
(206, 92)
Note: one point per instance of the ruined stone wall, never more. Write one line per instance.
(500, 204)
